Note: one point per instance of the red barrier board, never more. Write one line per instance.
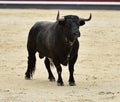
(69, 0)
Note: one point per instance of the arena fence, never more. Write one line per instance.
(62, 4)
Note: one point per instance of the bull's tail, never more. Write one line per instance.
(31, 47)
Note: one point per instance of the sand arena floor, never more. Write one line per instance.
(97, 71)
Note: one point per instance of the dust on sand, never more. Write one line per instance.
(97, 71)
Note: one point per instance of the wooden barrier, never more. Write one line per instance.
(69, 0)
(62, 4)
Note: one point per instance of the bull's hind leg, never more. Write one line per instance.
(31, 64)
(50, 74)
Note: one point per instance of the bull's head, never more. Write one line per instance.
(71, 24)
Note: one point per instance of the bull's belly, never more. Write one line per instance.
(43, 53)
(64, 62)
(61, 62)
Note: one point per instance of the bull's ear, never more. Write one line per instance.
(82, 23)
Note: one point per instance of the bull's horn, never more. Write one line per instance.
(83, 19)
(58, 17)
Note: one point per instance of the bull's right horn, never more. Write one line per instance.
(58, 17)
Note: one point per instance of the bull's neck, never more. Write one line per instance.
(64, 43)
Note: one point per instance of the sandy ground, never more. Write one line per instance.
(97, 71)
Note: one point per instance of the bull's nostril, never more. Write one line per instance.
(77, 34)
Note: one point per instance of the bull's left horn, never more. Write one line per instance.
(83, 19)
(58, 17)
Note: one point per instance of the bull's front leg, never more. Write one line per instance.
(50, 74)
(71, 77)
(71, 71)
(59, 72)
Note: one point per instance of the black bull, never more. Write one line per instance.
(58, 43)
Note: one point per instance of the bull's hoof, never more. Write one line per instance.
(52, 79)
(60, 84)
(28, 76)
(72, 84)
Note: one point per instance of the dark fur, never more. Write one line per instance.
(54, 40)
